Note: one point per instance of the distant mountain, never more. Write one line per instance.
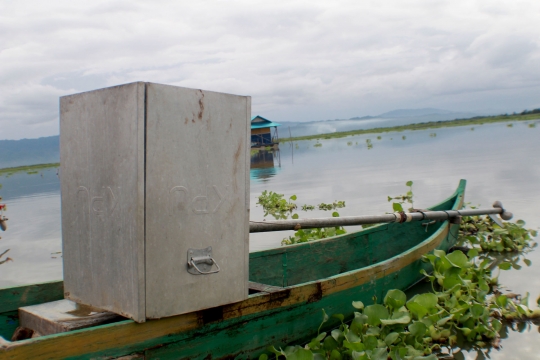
(29, 151)
(363, 117)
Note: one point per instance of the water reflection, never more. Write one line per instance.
(265, 164)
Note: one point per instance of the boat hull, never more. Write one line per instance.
(289, 311)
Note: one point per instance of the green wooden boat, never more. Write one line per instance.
(289, 287)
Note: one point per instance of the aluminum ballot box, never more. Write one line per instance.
(155, 199)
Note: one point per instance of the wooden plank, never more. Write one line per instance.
(13, 298)
(264, 288)
(62, 316)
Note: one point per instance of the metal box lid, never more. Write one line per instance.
(150, 172)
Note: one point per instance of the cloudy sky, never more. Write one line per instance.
(299, 60)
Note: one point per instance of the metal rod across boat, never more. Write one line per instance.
(419, 215)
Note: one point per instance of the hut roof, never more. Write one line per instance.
(258, 122)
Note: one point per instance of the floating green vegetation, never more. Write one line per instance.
(402, 199)
(485, 235)
(479, 120)
(464, 305)
(30, 169)
(349, 143)
(433, 134)
(403, 137)
(275, 204)
(510, 125)
(318, 144)
(379, 137)
(369, 144)
(532, 125)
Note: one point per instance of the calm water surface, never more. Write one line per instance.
(498, 161)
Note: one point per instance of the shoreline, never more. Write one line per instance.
(419, 126)
(32, 169)
(341, 134)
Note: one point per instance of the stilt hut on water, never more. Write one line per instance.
(262, 133)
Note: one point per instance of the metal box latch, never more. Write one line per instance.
(200, 261)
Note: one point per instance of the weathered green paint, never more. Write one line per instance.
(325, 274)
(9, 321)
(16, 297)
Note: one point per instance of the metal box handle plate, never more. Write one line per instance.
(200, 262)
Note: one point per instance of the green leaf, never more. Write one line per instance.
(325, 317)
(330, 343)
(505, 266)
(356, 346)
(359, 355)
(399, 317)
(391, 338)
(451, 281)
(273, 350)
(263, 357)
(395, 298)
(497, 325)
(444, 320)
(417, 309)
(397, 207)
(295, 216)
(293, 198)
(370, 342)
(339, 316)
(335, 355)
(477, 310)
(409, 183)
(379, 354)
(358, 305)
(337, 334)
(459, 259)
(501, 300)
(527, 262)
(472, 253)
(418, 329)
(427, 300)
(335, 214)
(300, 354)
(429, 357)
(375, 313)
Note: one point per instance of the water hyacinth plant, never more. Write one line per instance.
(462, 307)
(465, 305)
(275, 204)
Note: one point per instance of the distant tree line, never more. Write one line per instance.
(534, 111)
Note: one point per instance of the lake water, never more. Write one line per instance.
(499, 161)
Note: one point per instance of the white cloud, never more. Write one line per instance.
(299, 60)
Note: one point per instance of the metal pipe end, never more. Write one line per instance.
(506, 215)
(497, 204)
